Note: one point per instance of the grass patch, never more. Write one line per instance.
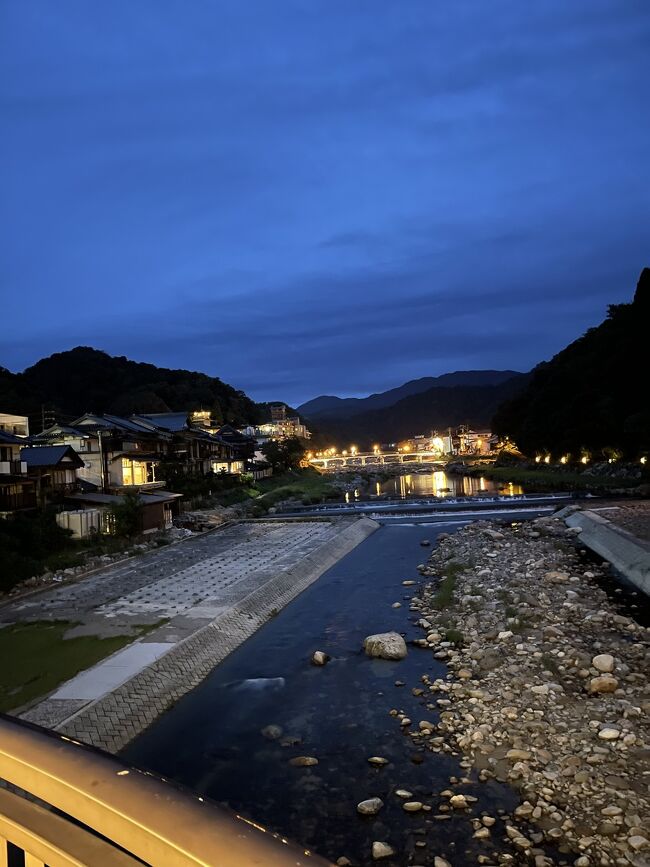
(550, 664)
(455, 636)
(36, 658)
(552, 479)
(445, 591)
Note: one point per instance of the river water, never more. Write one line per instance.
(434, 484)
(211, 740)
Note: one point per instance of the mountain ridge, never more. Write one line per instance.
(346, 407)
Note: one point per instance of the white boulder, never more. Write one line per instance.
(385, 645)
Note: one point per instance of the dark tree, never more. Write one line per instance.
(593, 394)
(284, 454)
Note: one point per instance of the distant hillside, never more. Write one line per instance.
(338, 407)
(593, 394)
(435, 409)
(83, 379)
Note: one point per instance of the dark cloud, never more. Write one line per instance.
(324, 197)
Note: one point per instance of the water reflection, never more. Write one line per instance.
(439, 484)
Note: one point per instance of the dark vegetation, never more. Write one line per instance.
(592, 397)
(83, 379)
(285, 454)
(31, 544)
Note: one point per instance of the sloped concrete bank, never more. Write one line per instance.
(628, 554)
(116, 718)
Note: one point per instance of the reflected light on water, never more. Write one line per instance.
(439, 484)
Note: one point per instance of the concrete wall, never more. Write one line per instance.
(629, 555)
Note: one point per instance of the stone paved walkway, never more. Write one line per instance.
(216, 591)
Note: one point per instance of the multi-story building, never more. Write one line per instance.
(17, 490)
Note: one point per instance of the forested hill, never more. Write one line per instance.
(435, 409)
(83, 379)
(592, 395)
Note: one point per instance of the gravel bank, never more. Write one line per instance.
(548, 690)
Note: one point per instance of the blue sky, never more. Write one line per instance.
(320, 196)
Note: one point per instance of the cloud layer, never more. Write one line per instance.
(323, 197)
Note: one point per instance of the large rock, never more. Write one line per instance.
(385, 645)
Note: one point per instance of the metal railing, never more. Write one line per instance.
(64, 804)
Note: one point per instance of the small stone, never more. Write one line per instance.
(482, 834)
(396, 605)
(408, 583)
(381, 850)
(412, 806)
(603, 684)
(370, 807)
(403, 793)
(609, 734)
(637, 842)
(440, 862)
(272, 732)
(458, 802)
(603, 662)
(611, 811)
(504, 635)
(378, 761)
(319, 658)
(303, 761)
(518, 755)
(343, 862)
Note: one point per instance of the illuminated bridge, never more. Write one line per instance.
(63, 804)
(359, 459)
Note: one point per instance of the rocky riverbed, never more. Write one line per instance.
(547, 690)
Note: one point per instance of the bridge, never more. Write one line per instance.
(360, 459)
(64, 804)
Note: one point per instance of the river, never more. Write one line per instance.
(433, 484)
(211, 740)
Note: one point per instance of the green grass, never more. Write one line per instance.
(36, 658)
(551, 479)
(445, 591)
(455, 636)
(307, 485)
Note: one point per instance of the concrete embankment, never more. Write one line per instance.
(627, 553)
(185, 651)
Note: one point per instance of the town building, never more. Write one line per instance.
(18, 425)
(17, 490)
(53, 470)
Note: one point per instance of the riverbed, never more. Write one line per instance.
(212, 739)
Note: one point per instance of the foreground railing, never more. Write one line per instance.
(63, 804)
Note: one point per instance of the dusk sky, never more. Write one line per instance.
(320, 196)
